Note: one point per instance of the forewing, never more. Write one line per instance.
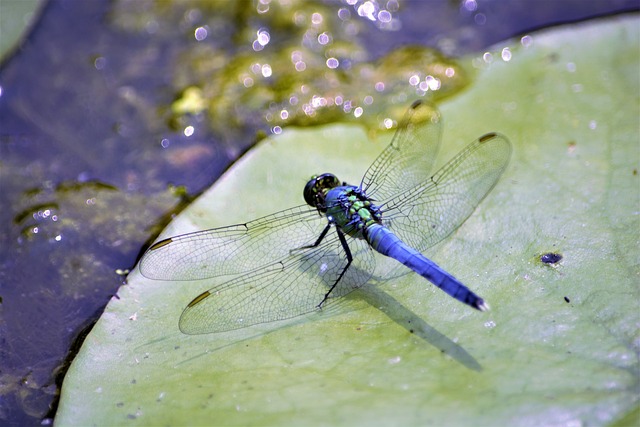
(234, 249)
(408, 160)
(431, 211)
(281, 290)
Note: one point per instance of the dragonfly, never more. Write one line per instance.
(309, 257)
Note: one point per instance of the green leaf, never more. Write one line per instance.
(16, 18)
(561, 344)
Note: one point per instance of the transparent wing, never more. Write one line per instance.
(429, 212)
(234, 249)
(293, 286)
(408, 160)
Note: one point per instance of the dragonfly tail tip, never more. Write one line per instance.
(483, 306)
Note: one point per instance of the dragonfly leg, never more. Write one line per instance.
(345, 246)
(318, 241)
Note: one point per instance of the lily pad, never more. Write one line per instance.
(16, 18)
(560, 345)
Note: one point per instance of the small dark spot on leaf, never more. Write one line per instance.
(553, 57)
(567, 300)
(550, 258)
(635, 172)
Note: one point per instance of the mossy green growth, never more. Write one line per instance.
(299, 64)
(318, 94)
(407, 354)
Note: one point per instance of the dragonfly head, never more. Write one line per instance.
(317, 188)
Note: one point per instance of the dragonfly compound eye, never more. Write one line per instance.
(317, 187)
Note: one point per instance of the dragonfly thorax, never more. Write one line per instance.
(346, 206)
(349, 208)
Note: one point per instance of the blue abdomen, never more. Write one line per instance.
(387, 243)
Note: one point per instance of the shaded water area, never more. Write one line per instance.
(115, 114)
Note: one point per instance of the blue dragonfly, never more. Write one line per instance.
(308, 257)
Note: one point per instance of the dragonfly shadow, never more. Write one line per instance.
(371, 294)
(416, 325)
